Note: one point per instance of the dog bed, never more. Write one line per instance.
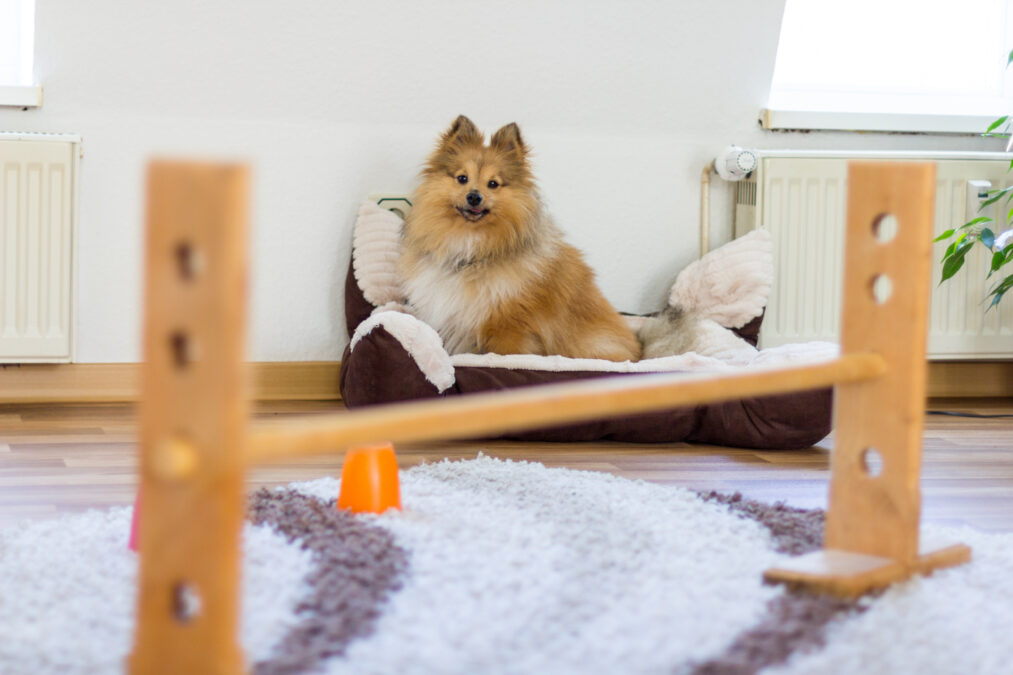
(393, 356)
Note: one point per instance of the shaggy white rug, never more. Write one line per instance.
(515, 568)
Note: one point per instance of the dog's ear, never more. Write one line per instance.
(462, 132)
(508, 139)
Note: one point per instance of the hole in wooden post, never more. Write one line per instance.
(881, 288)
(183, 349)
(186, 602)
(885, 228)
(872, 462)
(189, 262)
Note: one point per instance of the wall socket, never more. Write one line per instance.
(398, 203)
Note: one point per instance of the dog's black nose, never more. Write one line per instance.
(474, 198)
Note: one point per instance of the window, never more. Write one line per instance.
(17, 46)
(899, 61)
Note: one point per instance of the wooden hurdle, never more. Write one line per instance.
(196, 442)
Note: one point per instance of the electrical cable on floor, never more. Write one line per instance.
(965, 414)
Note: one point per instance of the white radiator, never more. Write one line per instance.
(38, 195)
(801, 198)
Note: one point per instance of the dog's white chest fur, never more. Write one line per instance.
(455, 302)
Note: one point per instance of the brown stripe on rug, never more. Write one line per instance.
(796, 620)
(795, 531)
(356, 567)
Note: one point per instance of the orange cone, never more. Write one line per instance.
(369, 480)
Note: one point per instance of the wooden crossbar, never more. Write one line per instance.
(196, 441)
(532, 407)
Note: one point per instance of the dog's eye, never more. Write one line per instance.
(462, 179)
(493, 184)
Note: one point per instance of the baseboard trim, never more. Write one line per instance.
(119, 382)
(318, 381)
(970, 379)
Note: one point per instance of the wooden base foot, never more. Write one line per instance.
(848, 575)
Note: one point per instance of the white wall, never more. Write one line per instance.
(624, 102)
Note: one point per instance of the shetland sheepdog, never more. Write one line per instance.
(484, 264)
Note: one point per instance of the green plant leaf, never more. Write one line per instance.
(1000, 290)
(960, 246)
(954, 261)
(945, 235)
(996, 195)
(976, 221)
(997, 261)
(951, 267)
(987, 237)
(1004, 285)
(1009, 60)
(999, 122)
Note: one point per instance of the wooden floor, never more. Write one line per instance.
(57, 459)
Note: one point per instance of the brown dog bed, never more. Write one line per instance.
(392, 356)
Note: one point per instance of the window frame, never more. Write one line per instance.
(818, 120)
(28, 96)
(830, 117)
(21, 94)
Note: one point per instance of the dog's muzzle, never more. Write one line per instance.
(474, 210)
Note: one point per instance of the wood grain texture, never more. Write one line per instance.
(846, 574)
(318, 381)
(873, 520)
(971, 379)
(841, 573)
(62, 459)
(531, 407)
(193, 420)
(121, 382)
(881, 420)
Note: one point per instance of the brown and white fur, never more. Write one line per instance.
(484, 264)
(672, 331)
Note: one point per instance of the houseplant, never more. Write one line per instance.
(980, 230)
(997, 237)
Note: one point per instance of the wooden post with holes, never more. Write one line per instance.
(193, 420)
(873, 516)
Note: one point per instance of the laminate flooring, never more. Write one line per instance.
(56, 459)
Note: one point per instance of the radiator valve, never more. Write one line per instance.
(978, 192)
(735, 163)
